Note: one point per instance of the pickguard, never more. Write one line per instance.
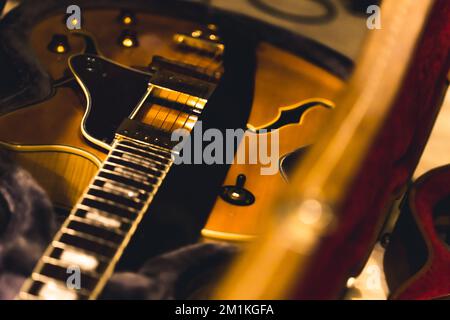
(112, 92)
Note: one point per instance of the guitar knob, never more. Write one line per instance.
(128, 39)
(237, 194)
(126, 18)
(59, 44)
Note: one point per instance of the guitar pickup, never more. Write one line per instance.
(200, 73)
(182, 83)
(195, 41)
(177, 100)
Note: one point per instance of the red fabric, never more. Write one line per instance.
(389, 165)
(433, 280)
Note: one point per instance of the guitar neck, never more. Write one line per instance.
(97, 231)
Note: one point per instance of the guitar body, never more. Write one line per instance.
(241, 222)
(302, 83)
(418, 257)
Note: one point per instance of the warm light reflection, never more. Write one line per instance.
(84, 261)
(51, 291)
(196, 33)
(127, 20)
(310, 211)
(128, 42)
(60, 48)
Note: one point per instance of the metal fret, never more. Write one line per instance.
(59, 287)
(145, 150)
(119, 186)
(130, 194)
(117, 174)
(143, 146)
(105, 201)
(94, 246)
(138, 157)
(133, 171)
(28, 296)
(64, 246)
(136, 161)
(153, 163)
(88, 237)
(95, 223)
(45, 279)
(106, 214)
(62, 264)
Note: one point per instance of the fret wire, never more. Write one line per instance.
(113, 173)
(106, 201)
(23, 295)
(132, 170)
(150, 174)
(120, 185)
(129, 177)
(65, 246)
(62, 264)
(138, 151)
(109, 215)
(90, 227)
(139, 158)
(146, 145)
(94, 223)
(142, 146)
(86, 236)
(112, 191)
(37, 277)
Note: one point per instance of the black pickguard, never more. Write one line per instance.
(112, 91)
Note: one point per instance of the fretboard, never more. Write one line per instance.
(94, 236)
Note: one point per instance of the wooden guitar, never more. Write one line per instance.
(102, 222)
(63, 158)
(238, 212)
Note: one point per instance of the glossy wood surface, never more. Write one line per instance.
(282, 79)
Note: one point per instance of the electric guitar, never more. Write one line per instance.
(102, 222)
(73, 141)
(63, 158)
